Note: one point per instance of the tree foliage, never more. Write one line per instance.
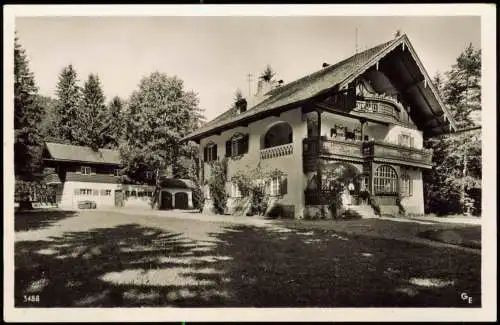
(93, 115)
(28, 114)
(268, 74)
(450, 178)
(454, 183)
(68, 101)
(113, 124)
(217, 185)
(462, 88)
(159, 114)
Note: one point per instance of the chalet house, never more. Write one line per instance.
(365, 117)
(82, 174)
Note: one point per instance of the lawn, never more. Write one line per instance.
(94, 260)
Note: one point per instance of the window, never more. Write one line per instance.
(116, 172)
(85, 170)
(210, 152)
(235, 190)
(405, 140)
(385, 180)
(237, 145)
(85, 191)
(406, 184)
(96, 192)
(107, 193)
(277, 186)
(149, 174)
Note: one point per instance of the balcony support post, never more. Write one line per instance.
(362, 121)
(318, 153)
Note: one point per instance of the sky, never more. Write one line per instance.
(214, 55)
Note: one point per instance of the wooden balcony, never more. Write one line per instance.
(358, 151)
(278, 151)
(380, 105)
(391, 153)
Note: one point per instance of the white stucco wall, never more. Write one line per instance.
(69, 200)
(414, 204)
(290, 164)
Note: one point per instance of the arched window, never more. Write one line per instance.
(279, 134)
(385, 180)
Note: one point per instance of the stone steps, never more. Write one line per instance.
(365, 211)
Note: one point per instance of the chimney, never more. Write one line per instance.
(241, 105)
(325, 64)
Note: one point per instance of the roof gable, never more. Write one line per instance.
(337, 76)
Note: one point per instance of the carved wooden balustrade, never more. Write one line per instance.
(278, 151)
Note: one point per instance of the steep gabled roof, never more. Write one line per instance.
(317, 83)
(68, 152)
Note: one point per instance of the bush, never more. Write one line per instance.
(198, 198)
(217, 185)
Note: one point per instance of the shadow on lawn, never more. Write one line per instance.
(131, 266)
(34, 220)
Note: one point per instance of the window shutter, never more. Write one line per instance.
(284, 185)
(215, 155)
(78, 169)
(245, 143)
(77, 191)
(93, 171)
(228, 148)
(205, 154)
(412, 142)
(400, 139)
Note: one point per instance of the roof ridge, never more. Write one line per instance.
(298, 80)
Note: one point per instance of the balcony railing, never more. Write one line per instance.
(388, 151)
(278, 151)
(350, 148)
(361, 151)
(380, 105)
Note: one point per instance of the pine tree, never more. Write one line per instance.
(68, 101)
(28, 114)
(114, 126)
(92, 114)
(462, 89)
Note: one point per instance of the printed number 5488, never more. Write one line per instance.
(32, 298)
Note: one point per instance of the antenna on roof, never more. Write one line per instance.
(356, 38)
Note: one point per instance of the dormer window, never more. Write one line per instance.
(149, 174)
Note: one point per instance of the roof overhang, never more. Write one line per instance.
(401, 64)
(276, 111)
(81, 162)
